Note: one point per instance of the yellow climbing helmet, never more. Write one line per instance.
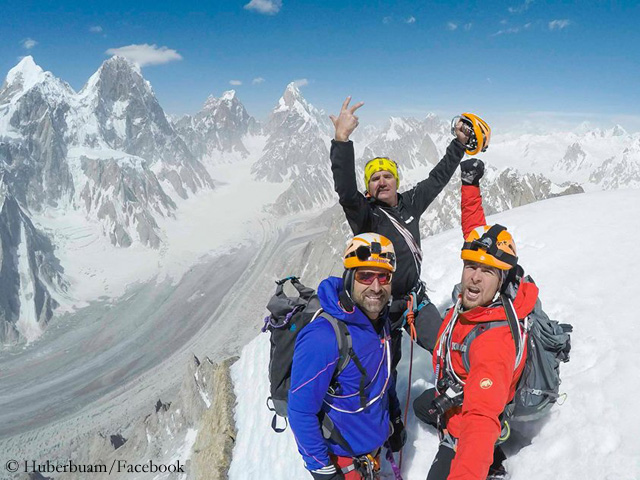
(379, 164)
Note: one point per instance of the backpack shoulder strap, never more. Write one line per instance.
(471, 336)
(345, 343)
(345, 347)
(512, 322)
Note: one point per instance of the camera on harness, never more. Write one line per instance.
(451, 395)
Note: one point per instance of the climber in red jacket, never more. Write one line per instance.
(474, 387)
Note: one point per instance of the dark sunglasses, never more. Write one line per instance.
(367, 278)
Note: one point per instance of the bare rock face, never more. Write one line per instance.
(30, 277)
(574, 159)
(295, 151)
(126, 197)
(218, 127)
(216, 437)
(34, 106)
(194, 433)
(130, 119)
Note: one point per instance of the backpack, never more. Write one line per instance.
(288, 316)
(548, 345)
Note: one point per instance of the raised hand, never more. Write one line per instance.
(471, 171)
(346, 122)
(462, 132)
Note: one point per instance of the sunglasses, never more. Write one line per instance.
(367, 278)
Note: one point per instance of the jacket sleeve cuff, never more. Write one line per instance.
(328, 470)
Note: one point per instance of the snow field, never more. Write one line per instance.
(580, 251)
(209, 222)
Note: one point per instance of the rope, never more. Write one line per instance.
(414, 336)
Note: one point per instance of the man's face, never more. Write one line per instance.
(371, 298)
(479, 284)
(383, 186)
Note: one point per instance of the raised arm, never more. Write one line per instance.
(353, 202)
(472, 213)
(427, 190)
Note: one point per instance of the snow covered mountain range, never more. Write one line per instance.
(110, 154)
(101, 190)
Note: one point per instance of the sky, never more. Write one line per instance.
(512, 62)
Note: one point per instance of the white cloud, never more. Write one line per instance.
(29, 43)
(146, 54)
(521, 8)
(508, 31)
(559, 24)
(452, 26)
(410, 20)
(386, 20)
(266, 7)
(95, 29)
(301, 82)
(235, 82)
(467, 26)
(257, 81)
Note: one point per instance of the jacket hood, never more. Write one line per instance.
(524, 303)
(328, 292)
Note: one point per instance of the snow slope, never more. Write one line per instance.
(579, 251)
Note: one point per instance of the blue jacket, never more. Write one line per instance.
(315, 359)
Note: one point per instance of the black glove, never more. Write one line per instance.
(399, 436)
(338, 475)
(471, 171)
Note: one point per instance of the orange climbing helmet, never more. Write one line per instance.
(490, 245)
(479, 132)
(370, 250)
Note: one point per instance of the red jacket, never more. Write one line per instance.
(491, 380)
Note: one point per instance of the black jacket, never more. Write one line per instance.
(364, 213)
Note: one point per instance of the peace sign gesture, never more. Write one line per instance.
(346, 122)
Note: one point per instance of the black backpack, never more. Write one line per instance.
(288, 316)
(548, 345)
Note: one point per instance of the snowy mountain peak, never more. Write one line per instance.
(116, 77)
(25, 76)
(292, 93)
(617, 131)
(121, 63)
(228, 96)
(27, 72)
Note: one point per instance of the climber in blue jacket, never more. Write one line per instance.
(357, 401)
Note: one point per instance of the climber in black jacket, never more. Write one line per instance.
(394, 215)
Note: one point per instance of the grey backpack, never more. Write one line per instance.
(288, 315)
(548, 345)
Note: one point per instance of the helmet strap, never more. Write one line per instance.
(511, 281)
(346, 302)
